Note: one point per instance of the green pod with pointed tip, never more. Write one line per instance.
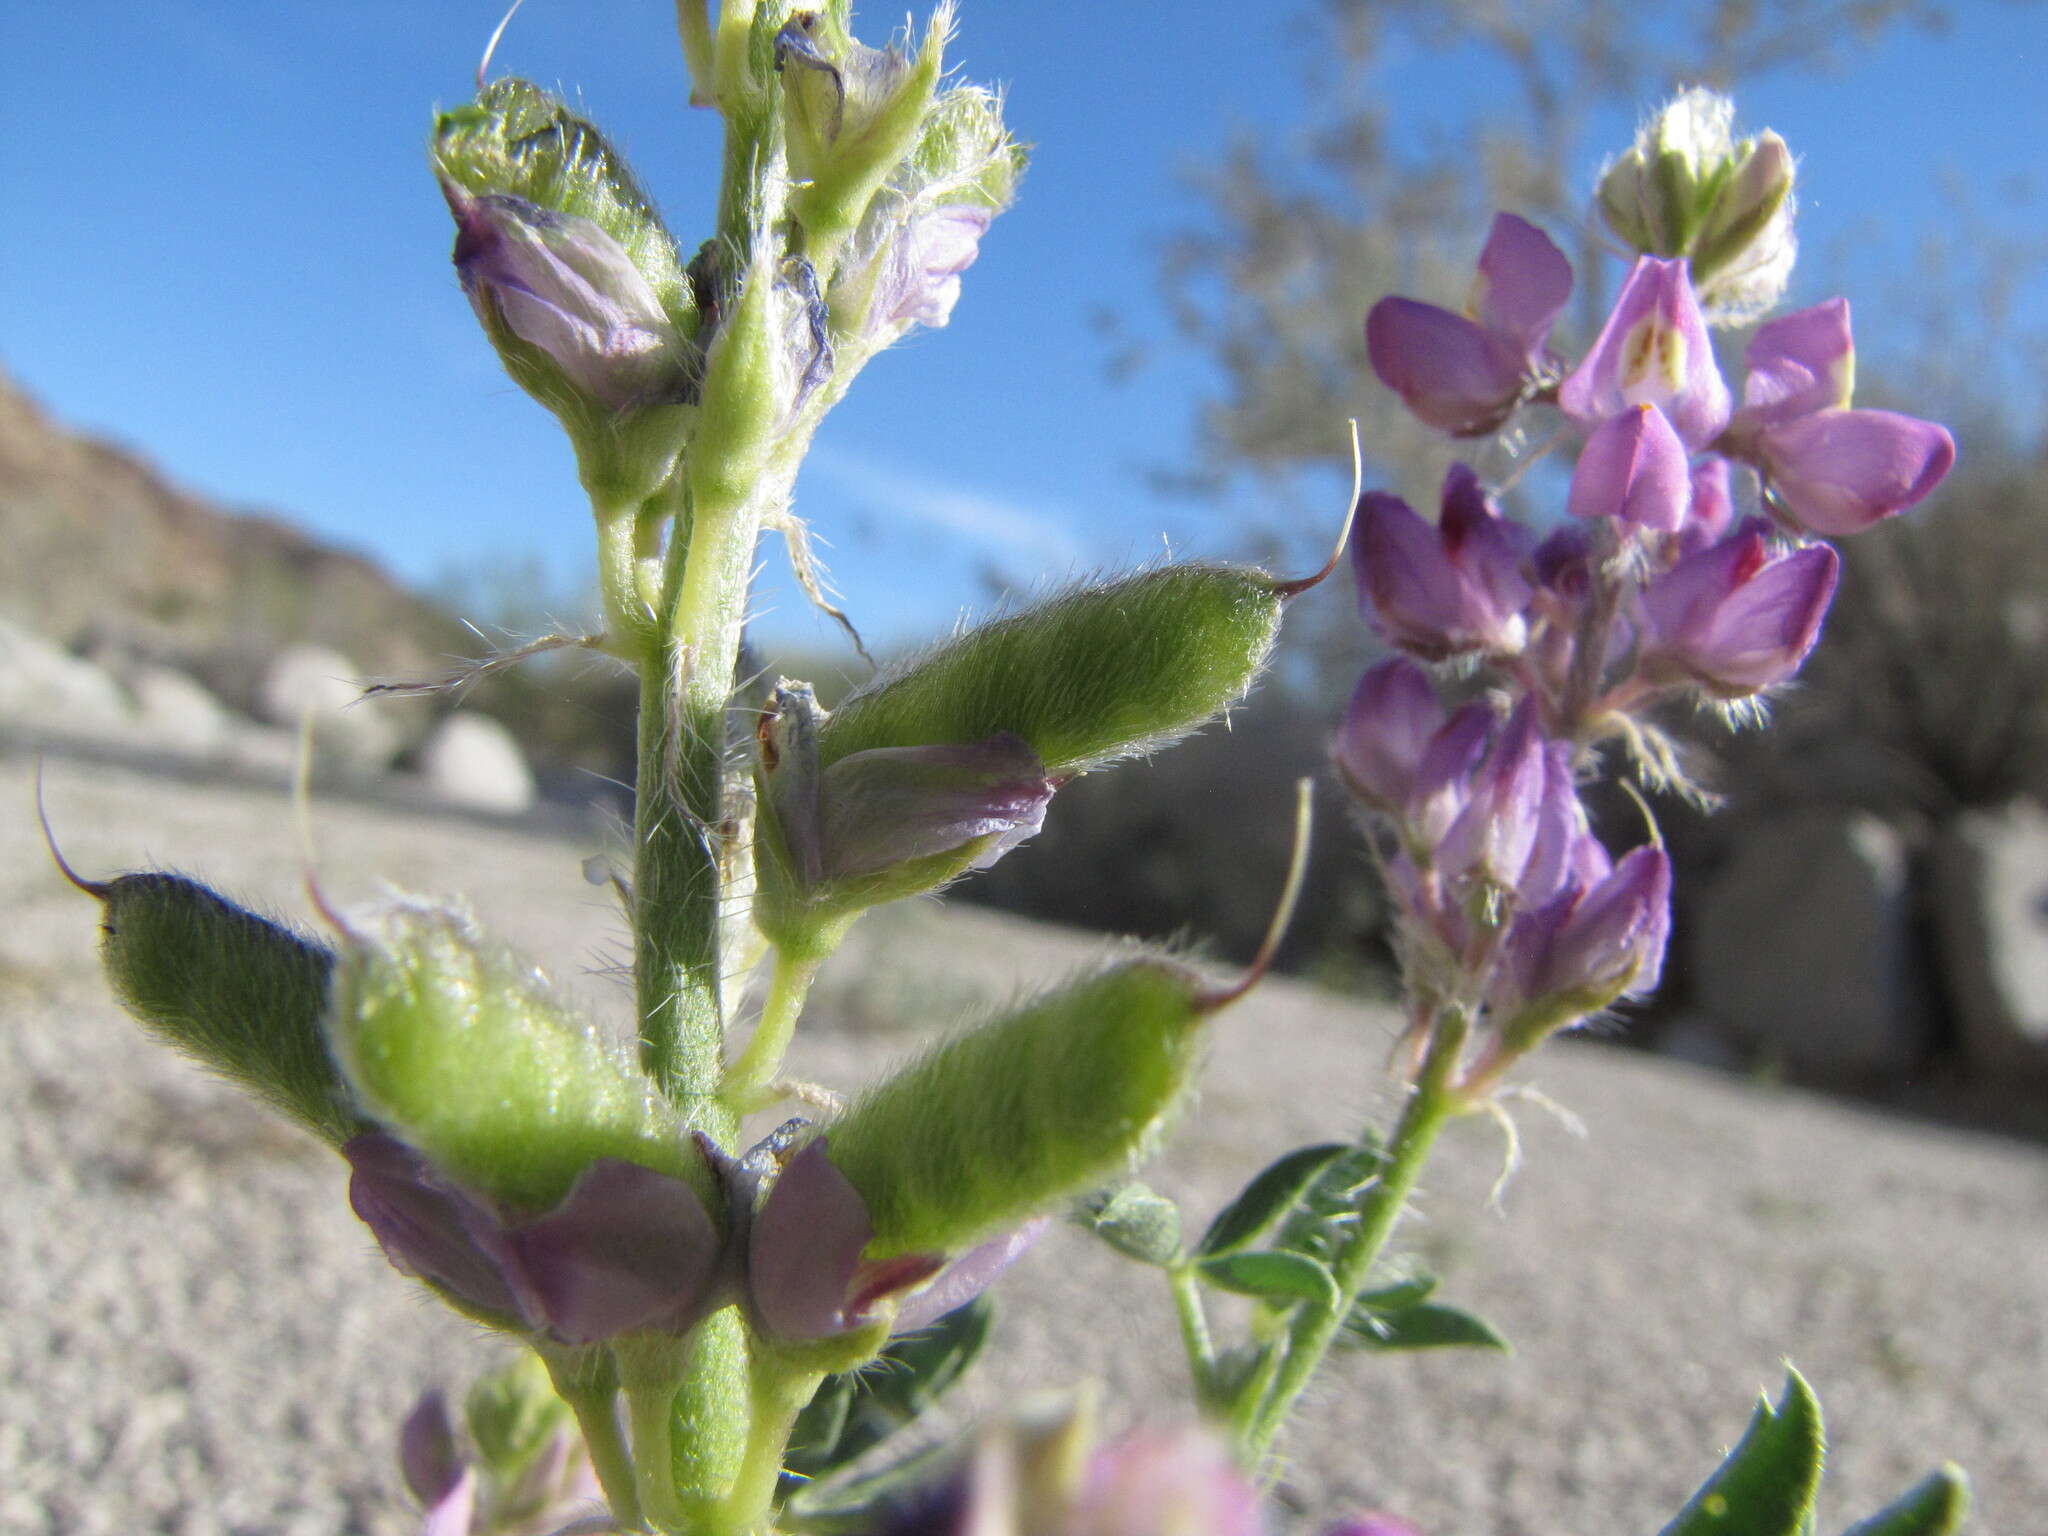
(238, 993)
(1090, 675)
(997, 1125)
(468, 1055)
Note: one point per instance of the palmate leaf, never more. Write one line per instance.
(1322, 1213)
(856, 1410)
(1765, 1486)
(1934, 1506)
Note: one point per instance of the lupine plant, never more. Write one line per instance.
(715, 1337)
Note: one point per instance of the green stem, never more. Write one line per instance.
(1194, 1332)
(597, 1416)
(1431, 1105)
(747, 1079)
(776, 1397)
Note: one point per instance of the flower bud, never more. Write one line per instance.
(1711, 504)
(1494, 833)
(993, 1126)
(1653, 350)
(1465, 373)
(850, 113)
(1444, 591)
(1602, 939)
(1733, 618)
(573, 318)
(1380, 743)
(924, 229)
(878, 825)
(239, 994)
(466, 1054)
(578, 284)
(427, 1453)
(1688, 189)
(1633, 469)
(1089, 675)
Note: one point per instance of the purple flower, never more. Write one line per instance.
(1712, 503)
(920, 281)
(1733, 618)
(1393, 715)
(627, 1248)
(434, 1469)
(806, 1274)
(1633, 469)
(1465, 373)
(1183, 1483)
(1601, 938)
(1445, 590)
(1371, 1524)
(1495, 831)
(561, 284)
(1653, 350)
(878, 811)
(1832, 470)
(1443, 776)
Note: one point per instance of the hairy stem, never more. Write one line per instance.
(1432, 1103)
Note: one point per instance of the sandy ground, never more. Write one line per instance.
(198, 1338)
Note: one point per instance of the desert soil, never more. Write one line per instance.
(200, 1339)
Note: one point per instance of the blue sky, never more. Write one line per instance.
(220, 246)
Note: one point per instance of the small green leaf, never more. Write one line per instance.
(1419, 1325)
(1404, 1293)
(1267, 1198)
(1270, 1275)
(1934, 1506)
(1765, 1486)
(1136, 1220)
(1322, 1216)
(855, 1411)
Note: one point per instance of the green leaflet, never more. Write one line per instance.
(1935, 1506)
(1766, 1485)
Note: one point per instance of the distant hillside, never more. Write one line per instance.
(103, 551)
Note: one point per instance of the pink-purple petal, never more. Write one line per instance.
(627, 1248)
(968, 1276)
(1836, 472)
(1798, 364)
(1633, 468)
(805, 1246)
(1654, 350)
(1524, 281)
(1393, 714)
(1452, 372)
(886, 807)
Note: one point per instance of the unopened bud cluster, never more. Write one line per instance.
(1651, 587)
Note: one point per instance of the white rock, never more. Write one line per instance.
(44, 685)
(471, 760)
(312, 679)
(1802, 946)
(1991, 918)
(175, 712)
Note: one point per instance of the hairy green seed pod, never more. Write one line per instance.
(995, 1125)
(467, 1054)
(1089, 675)
(236, 992)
